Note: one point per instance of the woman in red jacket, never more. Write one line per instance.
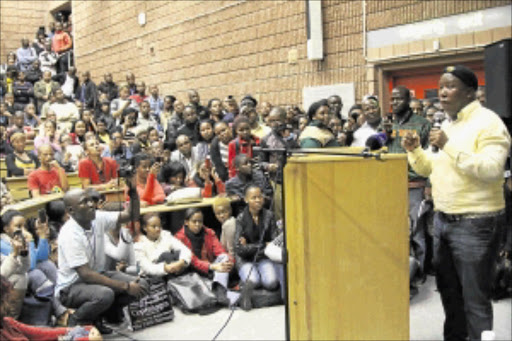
(209, 258)
(149, 189)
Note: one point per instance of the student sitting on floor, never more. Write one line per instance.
(209, 258)
(158, 252)
(223, 213)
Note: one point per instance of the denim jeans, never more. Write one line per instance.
(263, 274)
(92, 301)
(417, 227)
(464, 253)
(44, 275)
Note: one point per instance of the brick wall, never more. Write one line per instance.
(20, 19)
(231, 47)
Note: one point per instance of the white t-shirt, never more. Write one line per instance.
(78, 247)
(68, 86)
(362, 134)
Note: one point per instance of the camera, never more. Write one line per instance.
(19, 233)
(126, 171)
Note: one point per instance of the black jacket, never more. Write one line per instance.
(91, 94)
(192, 131)
(216, 158)
(110, 89)
(13, 170)
(245, 227)
(235, 186)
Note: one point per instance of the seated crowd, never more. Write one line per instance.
(90, 259)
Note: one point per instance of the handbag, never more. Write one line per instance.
(192, 294)
(153, 309)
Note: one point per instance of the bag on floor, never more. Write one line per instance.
(192, 294)
(151, 310)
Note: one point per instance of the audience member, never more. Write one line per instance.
(246, 177)
(255, 227)
(48, 59)
(118, 150)
(185, 154)
(158, 252)
(141, 143)
(43, 89)
(335, 106)
(215, 109)
(145, 119)
(69, 155)
(34, 73)
(172, 176)
(18, 124)
(230, 109)
(87, 117)
(219, 149)
(242, 144)
(316, 134)
(373, 119)
(257, 129)
(61, 45)
(87, 93)
(273, 162)
(206, 178)
(206, 136)
(166, 113)
(49, 136)
(264, 111)
(118, 105)
(194, 100)
(130, 81)
(406, 120)
(10, 329)
(208, 254)
(65, 111)
(190, 127)
(103, 113)
(31, 118)
(23, 92)
(149, 189)
(416, 107)
(155, 102)
(102, 133)
(25, 55)
(68, 81)
(78, 132)
(129, 123)
(82, 283)
(140, 96)
(49, 177)
(20, 162)
(429, 113)
(176, 121)
(108, 87)
(223, 213)
(97, 172)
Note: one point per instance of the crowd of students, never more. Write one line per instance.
(162, 147)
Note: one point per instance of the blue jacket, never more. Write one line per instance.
(39, 254)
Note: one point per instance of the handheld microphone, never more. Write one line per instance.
(436, 125)
(377, 141)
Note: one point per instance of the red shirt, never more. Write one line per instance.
(61, 42)
(152, 192)
(212, 248)
(87, 169)
(138, 98)
(43, 180)
(14, 330)
(244, 147)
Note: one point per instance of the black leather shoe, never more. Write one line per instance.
(104, 330)
(221, 294)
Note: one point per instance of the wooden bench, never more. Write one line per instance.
(3, 168)
(18, 187)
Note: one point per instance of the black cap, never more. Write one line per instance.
(249, 98)
(467, 76)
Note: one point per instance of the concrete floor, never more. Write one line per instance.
(426, 322)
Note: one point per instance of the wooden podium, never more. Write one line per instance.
(347, 239)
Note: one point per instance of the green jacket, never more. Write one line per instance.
(411, 122)
(316, 137)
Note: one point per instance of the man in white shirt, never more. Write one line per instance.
(371, 113)
(82, 283)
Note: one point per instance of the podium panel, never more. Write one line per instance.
(347, 239)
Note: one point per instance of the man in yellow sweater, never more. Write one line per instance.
(467, 179)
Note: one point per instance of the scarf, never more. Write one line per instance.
(197, 241)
